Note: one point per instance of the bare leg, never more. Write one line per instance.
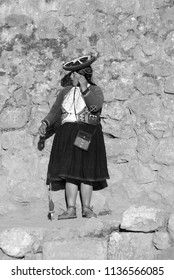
(86, 194)
(71, 195)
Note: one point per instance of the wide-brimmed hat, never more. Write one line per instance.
(79, 63)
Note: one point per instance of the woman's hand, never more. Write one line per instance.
(42, 129)
(83, 82)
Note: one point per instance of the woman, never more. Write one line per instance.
(78, 157)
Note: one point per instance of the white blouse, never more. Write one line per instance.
(72, 105)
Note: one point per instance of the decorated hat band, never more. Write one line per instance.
(79, 63)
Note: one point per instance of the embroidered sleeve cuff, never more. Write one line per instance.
(86, 92)
(46, 122)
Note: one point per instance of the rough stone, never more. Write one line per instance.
(169, 85)
(148, 85)
(16, 140)
(145, 106)
(121, 150)
(141, 173)
(146, 145)
(143, 218)
(167, 173)
(170, 226)
(14, 118)
(166, 191)
(161, 240)
(15, 242)
(164, 153)
(130, 246)
(121, 130)
(157, 127)
(113, 111)
(89, 249)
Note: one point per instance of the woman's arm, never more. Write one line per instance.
(55, 113)
(94, 98)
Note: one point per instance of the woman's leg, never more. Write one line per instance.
(86, 194)
(70, 196)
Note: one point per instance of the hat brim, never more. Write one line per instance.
(80, 66)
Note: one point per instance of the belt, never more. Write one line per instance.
(88, 118)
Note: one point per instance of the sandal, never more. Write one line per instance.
(68, 214)
(87, 212)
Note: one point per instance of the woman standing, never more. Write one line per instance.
(78, 156)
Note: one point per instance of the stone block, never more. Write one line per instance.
(167, 173)
(147, 85)
(140, 172)
(130, 246)
(164, 153)
(143, 218)
(18, 242)
(16, 140)
(113, 110)
(157, 127)
(146, 145)
(76, 249)
(15, 242)
(13, 117)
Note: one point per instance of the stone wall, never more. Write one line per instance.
(135, 69)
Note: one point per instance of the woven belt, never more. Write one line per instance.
(89, 118)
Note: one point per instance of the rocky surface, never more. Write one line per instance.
(135, 69)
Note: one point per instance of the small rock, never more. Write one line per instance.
(16, 242)
(142, 218)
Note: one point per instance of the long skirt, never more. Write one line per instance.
(69, 163)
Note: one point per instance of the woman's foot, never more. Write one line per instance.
(87, 212)
(70, 213)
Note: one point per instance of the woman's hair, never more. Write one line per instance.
(86, 72)
(66, 80)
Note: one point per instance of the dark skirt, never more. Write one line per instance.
(70, 163)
